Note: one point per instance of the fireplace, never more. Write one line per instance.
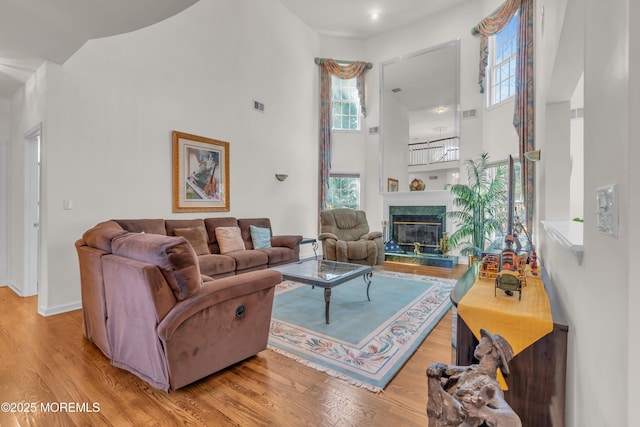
(423, 225)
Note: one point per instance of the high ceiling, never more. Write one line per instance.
(352, 18)
(35, 31)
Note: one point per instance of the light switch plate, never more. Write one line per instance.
(607, 209)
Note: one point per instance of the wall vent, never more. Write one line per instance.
(470, 114)
(258, 106)
(374, 130)
(432, 177)
(577, 113)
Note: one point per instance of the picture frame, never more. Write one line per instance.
(392, 185)
(200, 173)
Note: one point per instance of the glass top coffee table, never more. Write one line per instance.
(325, 274)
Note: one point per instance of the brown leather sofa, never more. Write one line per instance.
(150, 309)
(213, 262)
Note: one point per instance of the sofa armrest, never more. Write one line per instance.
(325, 236)
(372, 235)
(286, 241)
(213, 293)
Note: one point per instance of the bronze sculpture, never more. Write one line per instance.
(470, 395)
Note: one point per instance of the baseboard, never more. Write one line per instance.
(51, 311)
(15, 288)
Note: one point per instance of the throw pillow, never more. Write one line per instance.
(261, 237)
(197, 236)
(229, 239)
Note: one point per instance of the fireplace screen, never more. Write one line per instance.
(427, 234)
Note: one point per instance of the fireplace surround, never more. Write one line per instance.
(423, 225)
(418, 217)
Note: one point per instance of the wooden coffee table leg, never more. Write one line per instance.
(327, 299)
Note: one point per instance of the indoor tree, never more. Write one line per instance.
(480, 205)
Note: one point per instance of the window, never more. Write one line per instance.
(345, 104)
(344, 191)
(502, 63)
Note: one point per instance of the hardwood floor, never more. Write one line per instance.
(46, 363)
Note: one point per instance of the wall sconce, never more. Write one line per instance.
(281, 176)
(534, 156)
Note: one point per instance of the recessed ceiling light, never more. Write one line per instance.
(440, 110)
(375, 15)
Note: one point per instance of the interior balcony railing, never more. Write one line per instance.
(434, 152)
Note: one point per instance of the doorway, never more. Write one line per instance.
(32, 204)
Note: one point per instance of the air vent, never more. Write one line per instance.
(374, 130)
(577, 113)
(433, 177)
(470, 114)
(396, 90)
(258, 106)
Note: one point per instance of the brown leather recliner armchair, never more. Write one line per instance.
(345, 237)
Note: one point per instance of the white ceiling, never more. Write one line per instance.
(352, 18)
(35, 31)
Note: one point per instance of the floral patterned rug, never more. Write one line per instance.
(367, 342)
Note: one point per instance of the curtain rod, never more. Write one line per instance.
(319, 61)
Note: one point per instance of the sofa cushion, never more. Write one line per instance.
(197, 236)
(217, 265)
(245, 226)
(171, 224)
(155, 226)
(174, 256)
(211, 224)
(279, 255)
(261, 237)
(250, 260)
(229, 239)
(102, 234)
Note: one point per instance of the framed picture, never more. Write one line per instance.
(392, 184)
(200, 173)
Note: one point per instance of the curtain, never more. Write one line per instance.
(329, 67)
(523, 115)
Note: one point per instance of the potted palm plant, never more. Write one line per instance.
(480, 205)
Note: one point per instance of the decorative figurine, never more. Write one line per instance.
(416, 248)
(444, 244)
(471, 395)
(508, 279)
(533, 262)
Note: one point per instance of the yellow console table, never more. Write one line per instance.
(537, 331)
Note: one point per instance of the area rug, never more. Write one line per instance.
(367, 342)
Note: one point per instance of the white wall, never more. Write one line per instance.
(4, 140)
(111, 108)
(454, 23)
(597, 294)
(576, 204)
(395, 133)
(633, 230)
(28, 110)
